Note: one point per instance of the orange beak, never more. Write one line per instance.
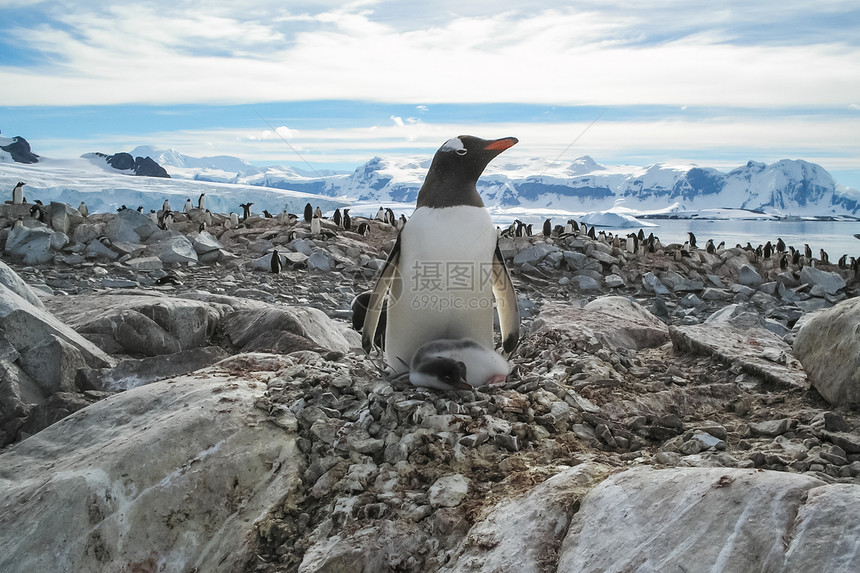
(502, 144)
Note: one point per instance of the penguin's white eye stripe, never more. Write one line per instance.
(454, 144)
(461, 152)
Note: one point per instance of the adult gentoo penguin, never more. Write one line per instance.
(18, 193)
(445, 266)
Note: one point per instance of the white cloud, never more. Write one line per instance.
(161, 54)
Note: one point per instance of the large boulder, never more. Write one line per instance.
(287, 329)
(822, 282)
(611, 321)
(742, 339)
(172, 247)
(31, 245)
(140, 323)
(522, 533)
(129, 226)
(63, 216)
(13, 282)
(172, 476)
(828, 346)
(39, 357)
(714, 519)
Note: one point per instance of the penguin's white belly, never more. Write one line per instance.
(445, 287)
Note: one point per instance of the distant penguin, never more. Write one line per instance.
(591, 233)
(168, 280)
(630, 243)
(401, 222)
(380, 214)
(18, 193)
(202, 227)
(529, 230)
(842, 263)
(780, 245)
(246, 210)
(167, 220)
(721, 246)
(337, 218)
(568, 228)
(363, 229)
(783, 262)
(140, 208)
(316, 225)
(36, 213)
(207, 217)
(201, 201)
(389, 217)
(165, 206)
(457, 364)
(309, 213)
(449, 224)
(19, 222)
(318, 213)
(266, 214)
(825, 259)
(768, 250)
(347, 221)
(188, 206)
(276, 261)
(82, 209)
(234, 219)
(709, 247)
(692, 239)
(641, 236)
(153, 216)
(547, 228)
(807, 251)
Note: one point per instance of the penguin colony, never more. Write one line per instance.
(427, 338)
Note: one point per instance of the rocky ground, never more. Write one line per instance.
(628, 361)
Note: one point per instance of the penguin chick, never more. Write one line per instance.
(449, 364)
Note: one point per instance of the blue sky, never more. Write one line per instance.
(717, 84)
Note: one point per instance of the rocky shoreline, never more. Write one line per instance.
(671, 374)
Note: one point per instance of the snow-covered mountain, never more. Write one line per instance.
(784, 188)
(509, 187)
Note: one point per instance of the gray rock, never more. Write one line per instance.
(614, 321)
(132, 373)
(828, 346)
(32, 246)
(614, 281)
(145, 264)
(204, 243)
(129, 226)
(525, 532)
(174, 248)
(575, 261)
(829, 282)
(63, 217)
(53, 364)
(95, 249)
(749, 276)
(135, 471)
(653, 284)
(13, 282)
(319, 261)
(534, 254)
(745, 343)
(740, 521)
(448, 491)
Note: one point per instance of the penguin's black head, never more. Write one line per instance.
(456, 168)
(447, 371)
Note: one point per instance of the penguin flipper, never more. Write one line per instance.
(377, 297)
(506, 303)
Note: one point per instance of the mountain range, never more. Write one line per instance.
(787, 188)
